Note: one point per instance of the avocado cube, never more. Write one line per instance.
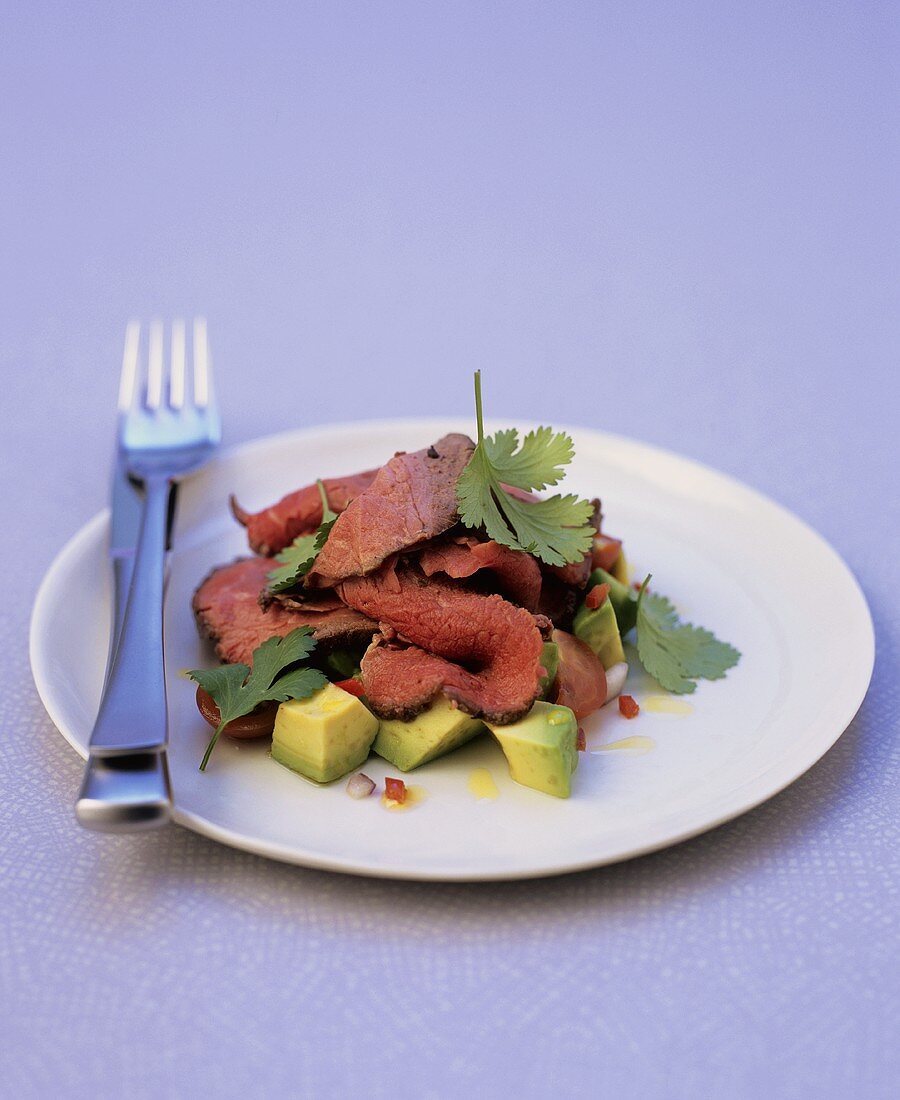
(325, 736)
(597, 627)
(619, 569)
(436, 731)
(621, 596)
(541, 749)
(550, 665)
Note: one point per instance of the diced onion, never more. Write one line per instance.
(360, 786)
(615, 679)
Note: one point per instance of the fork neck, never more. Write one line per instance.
(132, 714)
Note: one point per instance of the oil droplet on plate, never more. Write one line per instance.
(667, 704)
(414, 796)
(482, 785)
(636, 744)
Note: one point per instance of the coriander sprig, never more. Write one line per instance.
(236, 690)
(297, 559)
(677, 654)
(556, 530)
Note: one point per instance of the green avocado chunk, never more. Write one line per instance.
(436, 731)
(598, 628)
(622, 598)
(325, 736)
(541, 749)
(619, 569)
(550, 665)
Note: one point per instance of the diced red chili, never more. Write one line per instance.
(352, 685)
(395, 789)
(637, 586)
(596, 596)
(580, 742)
(628, 708)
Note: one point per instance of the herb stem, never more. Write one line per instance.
(323, 497)
(478, 413)
(212, 744)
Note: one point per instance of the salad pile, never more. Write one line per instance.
(410, 608)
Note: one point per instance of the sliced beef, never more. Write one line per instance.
(227, 609)
(401, 681)
(299, 513)
(301, 599)
(480, 651)
(577, 573)
(412, 499)
(518, 574)
(574, 573)
(558, 601)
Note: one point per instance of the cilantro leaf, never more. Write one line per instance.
(555, 530)
(677, 654)
(224, 685)
(237, 690)
(537, 465)
(297, 559)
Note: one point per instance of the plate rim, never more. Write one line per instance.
(762, 789)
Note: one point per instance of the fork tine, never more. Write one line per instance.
(128, 376)
(153, 397)
(176, 369)
(201, 363)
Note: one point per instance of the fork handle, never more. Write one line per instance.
(125, 794)
(132, 716)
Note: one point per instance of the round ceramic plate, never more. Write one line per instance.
(730, 559)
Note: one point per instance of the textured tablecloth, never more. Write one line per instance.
(678, 222)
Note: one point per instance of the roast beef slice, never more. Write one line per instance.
(517, 574)
(412, 499)
(299, 513)
(480, 651)
(228, 612)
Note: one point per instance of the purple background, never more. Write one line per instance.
(679, 222)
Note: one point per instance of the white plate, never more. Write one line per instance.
(732, 561)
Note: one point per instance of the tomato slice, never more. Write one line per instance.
(394, 789)
(581, 679)
(353, 686)
(259, 723)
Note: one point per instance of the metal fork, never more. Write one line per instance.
(167, 430)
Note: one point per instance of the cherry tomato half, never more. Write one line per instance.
(581, 679)
(605, 551)
(259, 723)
